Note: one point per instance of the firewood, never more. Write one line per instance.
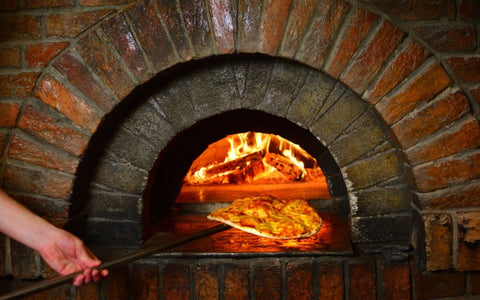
(238, 163)
(283, 165)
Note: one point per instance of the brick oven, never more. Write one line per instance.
(101, 120)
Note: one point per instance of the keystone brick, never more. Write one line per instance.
(466, 68)
(443, 173)
(442, 111)
(249, 17)
(300, 15)
(453, 197)
(323, 28)
(58, 96)
(38, 55)
(396, 281)
(10, 57)
(362, 277)
(19, 28)
(417, 10)
(144, 280)
(48, 3)
(439, 285)
(44, 122)
(17, 85)
(410, 57)
(468, 241)
(176, 283)
(224, 15)
(439, 237)
(274, 22)
(300, 280)
(198, 27)
(330, 280)
(72, 24)
(367, 63)
(205, 281)
(8, 114)
(449, 38)
(431, 81)
(266, 281)
(236, 280)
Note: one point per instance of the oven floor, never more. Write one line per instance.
(332, 239)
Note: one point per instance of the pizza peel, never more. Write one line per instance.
(142, 253)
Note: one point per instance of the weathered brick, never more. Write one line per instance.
(44, 122)
(144, 280)
(96, 54)
(438, 241)
(103, 2)
(468, 241)
(25, 260)
(300, 280)
(476, 94)
(366, 64)
(205, 281)
(466, 68)
(267, 280)
(445, 172)
(151, 36)
(3, 138)
(115, 285)
(396, 281)
(113, 206)
(322, 31)
(382, 200)
(17, 85)
(8, 113)
(176, 282)
(249, 18)
(330, 280)
(10, 56)
(380, 229)
(38, 180)
(38, 55)
(454, 197)
(362, 277)
(89, 291)
(9, 5)
(122, 38)
(273, 25)
(438, 285)
(442, 111)
(223, 15)
(19, 27)
(410, 57)
(71, 24)
(475, 283)
(56, 95)
(198, 27)
(24, 148)
(237, 281)
(423, 87)
(417, 10)
(48, 3)
(300, 15)
(46, 207)
(358, 26)
(469, 10)
(449, 38)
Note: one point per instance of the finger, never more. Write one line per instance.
(79, 280)
(88, 275)
(96, 275)
(104, 273)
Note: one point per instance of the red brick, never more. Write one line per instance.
(144, 280)
(224, 15)
(197, 26)
(322, 32)
(122, 38)
(176, 283)
(358, 27)
(330, 280)
(236, 280)
(249, 18)
(49, 125)
(449, 38)
(17, 85)
(36, 180)
(476, 95)
(443, 173)
(267, 281)
(8, 5)
(115, 285)
(90, 291)
(46, 207)
(475, 283)
(48, 3)
(410, 57)
(423, 87)
(103, 2)
(454, 197)
(460, 137)
(205, 281)
(367, 63)
(72, 24)
(10, 57)
(469, 10)
(3, 138)
(439, 285)
(466, 68)
(300, 280)
(19, 28)
(8, 114)
(300, 14)
(53, 93)
(362, 280)
(273, 25)
(417, 10)
(152, 36)
(438, 241)
(38, 55)
(38, 153)
(396, 281)
(444, 110)
(468, 241)
(82, 78)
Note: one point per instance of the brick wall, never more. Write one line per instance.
(423, 80)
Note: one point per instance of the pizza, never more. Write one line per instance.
(270, 217)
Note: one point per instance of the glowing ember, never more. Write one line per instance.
(253, 157)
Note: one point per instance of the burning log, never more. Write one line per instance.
(284, 166)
